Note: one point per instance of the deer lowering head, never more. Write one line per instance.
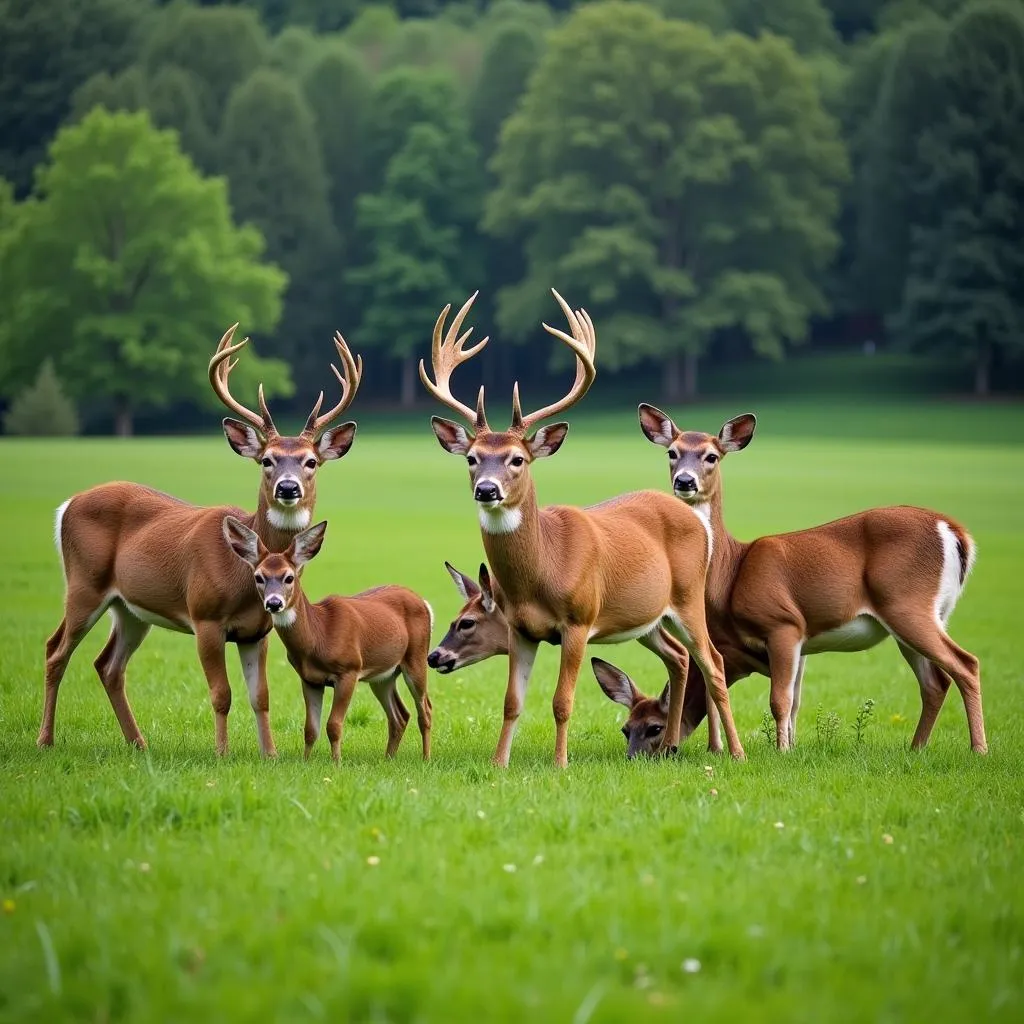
(644, 729)
(288, 488)
(694, 457)
(499, 461)
(478, 632)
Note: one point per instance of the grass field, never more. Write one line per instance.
(168, 885)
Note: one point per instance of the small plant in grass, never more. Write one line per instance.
(42, 409)
(863, 719)
(768, 727)
(827, 724)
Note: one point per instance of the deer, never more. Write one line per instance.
(480, 631)
(150, 559)
(846, 585)
(339, 641)
(568, 576)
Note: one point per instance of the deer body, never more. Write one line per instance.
(150, 559)
(340, 641)
(842, 586)
(613, 572)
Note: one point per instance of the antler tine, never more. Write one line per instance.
(220, 368)
(267, 418)
(349, 381)
(446, 355)
(583, 343)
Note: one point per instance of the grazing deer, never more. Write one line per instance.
(842, 586)
(153, 560)
(341, 641)
(569, 576)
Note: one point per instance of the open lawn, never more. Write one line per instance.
(845, 881)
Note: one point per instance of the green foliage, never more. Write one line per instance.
(42, 409)
(679, 183)
(863, 719)
(127, 263)
(49, 48)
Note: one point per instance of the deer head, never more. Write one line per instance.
(499, 461)
(289, 464)
(479, 631)
(644, 729)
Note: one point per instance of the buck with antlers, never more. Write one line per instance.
(843, 586)
(606, 574)
(340, 641)
(152, 560)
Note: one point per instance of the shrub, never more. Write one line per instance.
(42, 409)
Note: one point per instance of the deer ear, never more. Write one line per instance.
(617, 686)
(663, 699)
(305, 546)
(336, 442)
(243, 439)
(738, 432)
(547, 440)
(453, 437)
(657, 427)
(463, 584)
(243, 541)
(486, 589)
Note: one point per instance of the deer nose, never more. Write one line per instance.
(434, 660)
(288, 490)
(487, 491)
(273, 604)
(685, 483)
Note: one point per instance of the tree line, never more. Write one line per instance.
(705, 176)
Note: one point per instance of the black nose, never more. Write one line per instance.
(433, 659)
(685, 482)
(274, 604)
(288, 490)
(487, 492)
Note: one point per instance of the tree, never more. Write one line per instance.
(42, 409)
(124, 267)
(683, 183)
(417, 232)
(49, 48)
(963, 287)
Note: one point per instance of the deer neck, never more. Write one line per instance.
(514, 544)
(726, 551)
(297, 625)
(277, 526)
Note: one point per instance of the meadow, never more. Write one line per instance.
(849, 880)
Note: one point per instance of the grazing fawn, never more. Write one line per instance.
(842, 586)
(153, 560)
(610, 573)
(340, 641)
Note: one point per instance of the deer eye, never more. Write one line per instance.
(289, 579)
(471, 459)
(655, 730)
(672, 456)
(466, 624)
(311, 463)
(517, 460)
(259, 580)
(711, 458)
(266, 463)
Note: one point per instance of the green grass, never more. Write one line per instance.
(169, 885)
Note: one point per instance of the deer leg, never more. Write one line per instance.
(923, 635)
(254, 668)
(414, 672)
(210, 644)
(344, 687)
(714, 726)
(521, 655)
(82, 608)
(677, 661)
(574, 647)
(394, 711)
(933, 683)
(126, 635)
(313, 696)
(689, 624)
(798, 683)
(784, 646)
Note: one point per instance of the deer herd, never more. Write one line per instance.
(658, 568)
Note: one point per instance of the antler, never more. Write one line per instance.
(583, 343)
(445, 356)
(221, 366)
(349, 381)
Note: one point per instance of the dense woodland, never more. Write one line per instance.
(712, 179)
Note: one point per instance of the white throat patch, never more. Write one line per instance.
(500, 519)
(703, 510)
(282, 620)
(289, 518)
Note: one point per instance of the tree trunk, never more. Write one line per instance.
(673, 379)
(408, 382)
(690, 362)
(982, 370)
(123, 419)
